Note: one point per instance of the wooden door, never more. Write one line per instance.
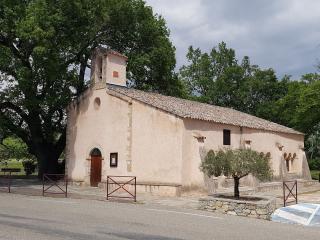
(95, 173)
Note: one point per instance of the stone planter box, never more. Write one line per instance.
(261, 209)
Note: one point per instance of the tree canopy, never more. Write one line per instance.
(299, 109)
(14, 148)
(219, 78)
(45, 49)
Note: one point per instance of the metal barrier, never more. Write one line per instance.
(7, 174)
(120, 185)
(290, 193)
(53, 180)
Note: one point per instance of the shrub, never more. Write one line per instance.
(29, 166)
(237, 164)
(314, 164)
(315, 174)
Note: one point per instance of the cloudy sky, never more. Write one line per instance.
(282, 34)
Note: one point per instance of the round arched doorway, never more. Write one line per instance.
(96, 167)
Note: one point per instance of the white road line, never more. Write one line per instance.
(49, 200)
(183, 213)
(312, 215)
(291, 217)
(302, 208)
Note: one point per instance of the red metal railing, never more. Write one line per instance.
(292, 193)
(120, 183)
(54, 180)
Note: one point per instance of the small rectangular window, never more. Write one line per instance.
(114, 160)
(100, 67)
(226, 137)
(115, 74)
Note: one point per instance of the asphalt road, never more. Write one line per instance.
(28, 217)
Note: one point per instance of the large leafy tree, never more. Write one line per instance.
(204, 69)
(219, 78)
(308, 114)
(313, 143)
(286, 108)
(45, 49)
(299, 109)
(309, 107)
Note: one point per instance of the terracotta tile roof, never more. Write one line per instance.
(116, 53)
(106, 51)
(201, 111)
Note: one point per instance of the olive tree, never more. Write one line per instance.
(237, 164)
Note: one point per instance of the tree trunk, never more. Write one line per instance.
(47, 162)
(236, 187)
(46, 150)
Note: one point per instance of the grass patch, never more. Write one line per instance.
(15, 164)
(315, 174)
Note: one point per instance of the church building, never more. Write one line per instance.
(116, 130)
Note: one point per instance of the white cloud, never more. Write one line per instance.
(282, 34)
(183, 14)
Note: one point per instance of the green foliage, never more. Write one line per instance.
(237, 164)
(144, 38)
(12, 163)
(315, 174)
(218, 78)
(310, 77)
(314, 164)
(308, 114)
(286, 108)
(29, 166)
(14, 148)
(45, 49)
(313, 143)
(215, 164)
(299, 109)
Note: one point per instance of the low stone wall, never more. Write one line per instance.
(261, 209)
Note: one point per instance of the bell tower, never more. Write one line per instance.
(108, 67)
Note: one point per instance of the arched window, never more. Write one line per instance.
(95, 152)
(97, 103)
